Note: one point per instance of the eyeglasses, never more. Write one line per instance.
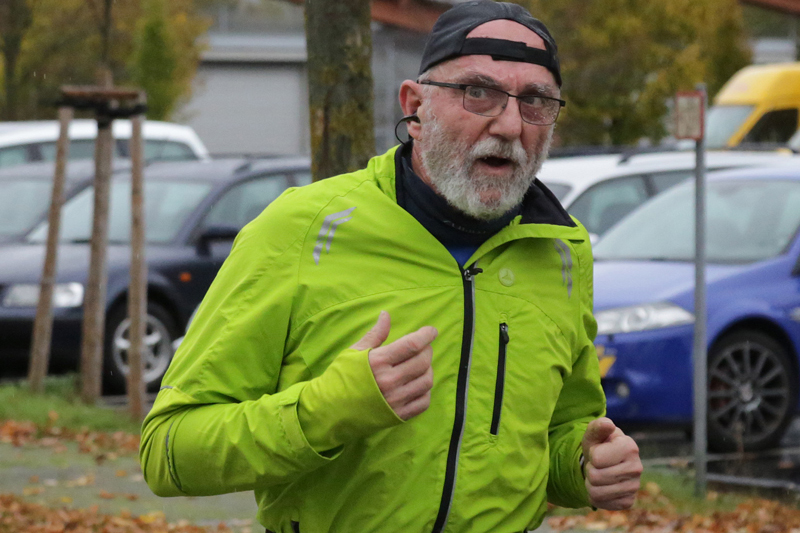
(488, 102)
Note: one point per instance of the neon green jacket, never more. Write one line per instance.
(265, 395)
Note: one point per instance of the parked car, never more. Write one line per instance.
(193, 210)
(758, 105)
(644, 306)
(26, 192)
(32, 141)
(599, 190)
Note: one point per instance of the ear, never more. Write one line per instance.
(410, 102)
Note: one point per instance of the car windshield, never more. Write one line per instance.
(747, 220)
(723, 121)
(559, 189)
(167, 204)
(22, 203)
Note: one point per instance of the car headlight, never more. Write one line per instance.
(641, 317)
(27, 295)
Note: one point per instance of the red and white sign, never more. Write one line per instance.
(689, 115)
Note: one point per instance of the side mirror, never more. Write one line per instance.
(215, 233)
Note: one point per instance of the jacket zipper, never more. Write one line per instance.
(461, 398)
(501, 379)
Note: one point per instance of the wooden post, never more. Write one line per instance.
(43, 325)
(95, 305)
(137, 294)
(105, 101)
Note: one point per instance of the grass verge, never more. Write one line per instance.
(60, 404)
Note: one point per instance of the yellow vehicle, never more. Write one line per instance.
(758, 105)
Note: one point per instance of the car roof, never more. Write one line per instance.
(34, 131)
(76, 170)
(222, 170)
(788, 171)
(581, 172)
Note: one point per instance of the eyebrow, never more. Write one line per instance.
(535, 89)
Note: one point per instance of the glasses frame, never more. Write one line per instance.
(464, 86)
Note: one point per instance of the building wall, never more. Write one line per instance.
(250, 94)
(251, 108)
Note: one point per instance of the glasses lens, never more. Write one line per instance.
(484, 101)
(537, 110)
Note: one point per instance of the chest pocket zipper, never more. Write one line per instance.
(501, 379)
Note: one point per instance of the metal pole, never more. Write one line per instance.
(94, 304)
(700, 349)
(43, 325)
(137, 295)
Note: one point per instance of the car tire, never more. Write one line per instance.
(752, 392)
(160, 332)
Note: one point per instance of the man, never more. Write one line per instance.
(475, 398)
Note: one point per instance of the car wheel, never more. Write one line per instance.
(752, 392)
(160, 332)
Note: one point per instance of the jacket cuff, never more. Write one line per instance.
(343, 404)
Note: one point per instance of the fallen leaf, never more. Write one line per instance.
(122, 473)
(107, 495)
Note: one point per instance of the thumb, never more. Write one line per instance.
(599, 431)
(377, 335)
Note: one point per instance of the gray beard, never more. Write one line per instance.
(449, 166)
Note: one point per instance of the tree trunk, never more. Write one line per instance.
(15, 19)
(339, 85)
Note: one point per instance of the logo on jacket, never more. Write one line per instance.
(329, 225)
(566, 265)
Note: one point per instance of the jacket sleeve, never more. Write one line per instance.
(220, 423)
(581, 399)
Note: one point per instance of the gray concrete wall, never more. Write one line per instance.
(250, 94)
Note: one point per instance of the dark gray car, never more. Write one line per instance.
(193, 212)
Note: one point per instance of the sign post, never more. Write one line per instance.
(690, 115)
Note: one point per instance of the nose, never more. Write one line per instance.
(508, 124)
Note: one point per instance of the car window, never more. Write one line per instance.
(560, 190)
(774, 127)
(175, 151)
(245, 201)
(13, 155)
(21, 204)
(723, 121)
(665, 180)
(302, 178)
(601, 206)
(167, 205)
(78, 149)
(746, 221)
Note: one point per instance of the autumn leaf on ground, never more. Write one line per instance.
(105, 446)
(752, 516)
(16, 515)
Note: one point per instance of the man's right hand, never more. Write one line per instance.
(402, 369)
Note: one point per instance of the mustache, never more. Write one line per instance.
(494, 147)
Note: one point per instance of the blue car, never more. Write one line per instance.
(644, 305)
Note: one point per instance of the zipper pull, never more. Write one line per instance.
(471, 272)
(504, 333)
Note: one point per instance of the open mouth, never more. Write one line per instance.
(495, 162)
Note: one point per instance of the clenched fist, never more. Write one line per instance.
(402, 369)
(612, 466)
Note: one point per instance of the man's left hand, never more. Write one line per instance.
(612, 467)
